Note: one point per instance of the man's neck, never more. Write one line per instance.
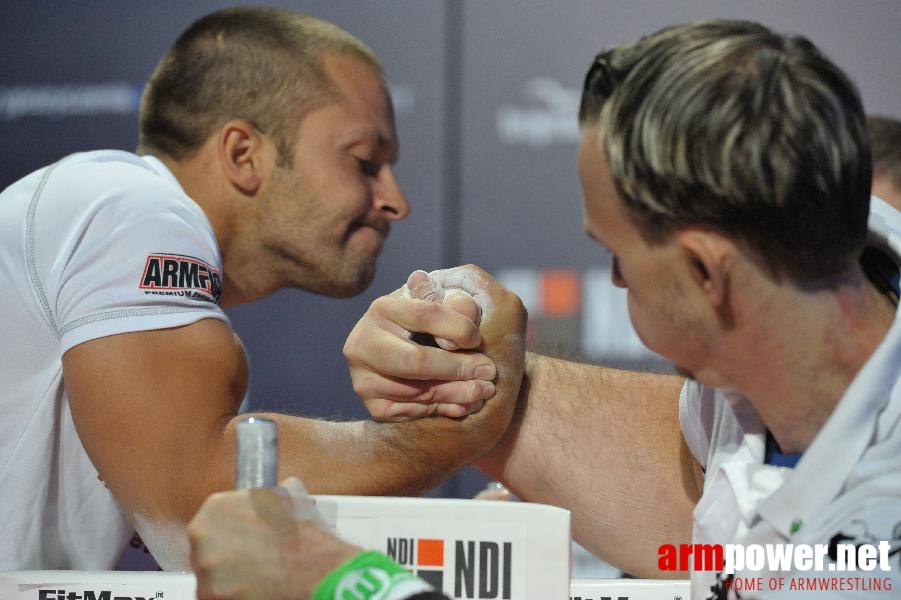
(242, 277)
(808, 347)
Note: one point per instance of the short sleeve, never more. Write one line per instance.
(120, 248)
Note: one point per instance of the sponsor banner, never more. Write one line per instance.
(607, 331)
(71, 99)
(90, 585)
(96, 585)
(469, 549)
(576, 313)
(551, 117)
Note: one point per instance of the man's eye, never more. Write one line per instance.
(368, 167)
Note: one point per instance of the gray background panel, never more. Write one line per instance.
(486, 96)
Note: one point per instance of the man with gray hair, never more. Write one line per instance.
(726, 169)
(266, 154)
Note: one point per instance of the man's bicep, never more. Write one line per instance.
(150, 408)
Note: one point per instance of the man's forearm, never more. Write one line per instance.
(607, 445)
(397, 458)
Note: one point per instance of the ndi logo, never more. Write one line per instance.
(481, 569)
(424, 557)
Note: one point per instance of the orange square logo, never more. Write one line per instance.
(430, 553)
(560, 293)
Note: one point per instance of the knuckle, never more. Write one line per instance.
(461, 371)
(426, 395)
(351, 347)
(379, 304)
(361, 383)
(397, 412)
(414, 360)
(378, 407)
(472, 393)
(426, 311)
(195, 529)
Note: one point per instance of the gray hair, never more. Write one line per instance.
(728, 125)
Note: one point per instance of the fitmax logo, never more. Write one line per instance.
(90, 595)
(481, 569)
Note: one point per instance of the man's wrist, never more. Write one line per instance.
(370, 574)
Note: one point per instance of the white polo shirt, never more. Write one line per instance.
(845, 489)
(97, 244)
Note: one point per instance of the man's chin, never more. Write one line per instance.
(346, 285)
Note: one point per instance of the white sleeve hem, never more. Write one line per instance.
(127, 321)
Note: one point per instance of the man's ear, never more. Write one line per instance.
(710, 259)
(242, 155)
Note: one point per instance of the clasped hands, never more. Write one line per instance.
(467, 312)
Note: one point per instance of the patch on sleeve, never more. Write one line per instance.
(177, 275)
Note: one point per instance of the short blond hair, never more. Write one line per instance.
(260, 64)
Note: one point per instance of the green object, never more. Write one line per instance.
(796, 527)
(367, 575)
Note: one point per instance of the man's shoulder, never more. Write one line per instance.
(106, 169)
(854, 523)
(869, 505)
(86, 184)
(105, 160)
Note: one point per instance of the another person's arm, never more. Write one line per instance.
(251, 544)
(603, 443)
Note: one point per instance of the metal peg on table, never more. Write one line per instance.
(257, 460)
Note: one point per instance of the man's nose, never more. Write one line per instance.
(389, 198)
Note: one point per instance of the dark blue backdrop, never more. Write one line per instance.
(486, 95)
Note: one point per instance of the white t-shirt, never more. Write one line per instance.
(97, 244)
(845, 489)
